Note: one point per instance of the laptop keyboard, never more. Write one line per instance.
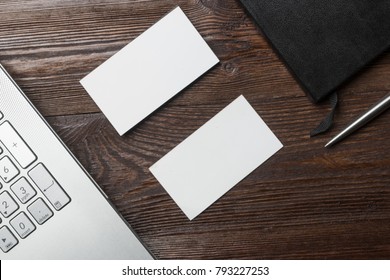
(28, 191)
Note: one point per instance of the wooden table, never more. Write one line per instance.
(306, 202)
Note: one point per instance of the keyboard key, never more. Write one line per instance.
(22, 225)
(40, 211)
(23, 190)
(49, 186)
(16, 146)
(7, 205)
(7, 239)
(8, 170)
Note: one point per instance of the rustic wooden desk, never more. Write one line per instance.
(306, 202)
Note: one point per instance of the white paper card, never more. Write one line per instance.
(149, 71)
(216, 157)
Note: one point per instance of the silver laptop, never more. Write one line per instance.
(50, 208)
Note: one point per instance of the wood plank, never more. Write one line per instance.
(300, 189)
(49, 46)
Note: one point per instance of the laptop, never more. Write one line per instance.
(50, 208)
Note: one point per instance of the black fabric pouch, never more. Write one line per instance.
(324, 43)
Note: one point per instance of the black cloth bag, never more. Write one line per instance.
(324, 42)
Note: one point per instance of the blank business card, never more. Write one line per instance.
(216, 157)
(149, 71)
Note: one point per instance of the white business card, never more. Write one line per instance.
(216, 157)
(149, 71)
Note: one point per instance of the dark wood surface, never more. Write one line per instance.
(306, 202)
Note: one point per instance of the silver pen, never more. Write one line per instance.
(375, 111)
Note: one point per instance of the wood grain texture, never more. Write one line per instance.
(306, 202)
